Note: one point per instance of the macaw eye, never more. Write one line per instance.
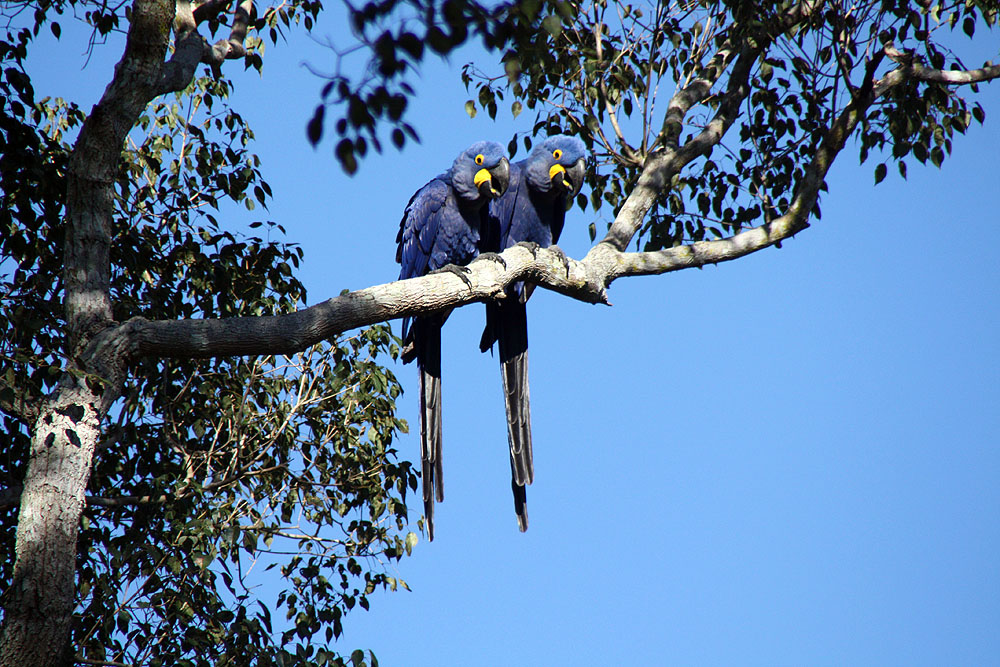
(557, 153)
(480, 158)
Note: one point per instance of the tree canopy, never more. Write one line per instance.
(166, 389)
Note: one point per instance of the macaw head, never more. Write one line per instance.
(481, 172)
(557, 166)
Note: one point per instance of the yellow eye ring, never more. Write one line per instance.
(557, 154)
(480, 158)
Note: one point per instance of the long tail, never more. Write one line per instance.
(512, 335)
(429, 363)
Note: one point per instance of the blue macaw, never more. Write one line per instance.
(531, 211)
(442, 226)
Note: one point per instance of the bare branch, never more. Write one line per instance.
(286, 334)
(909, 68)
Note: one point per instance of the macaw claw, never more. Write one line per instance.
(493, 256)
(562, 257)
(457, 270)
(531, 246)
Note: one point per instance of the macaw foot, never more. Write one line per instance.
(562, 257)
(531, 246)
(457, 270)
(493, 256)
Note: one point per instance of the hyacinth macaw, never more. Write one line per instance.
(441, 227)
(531, 211)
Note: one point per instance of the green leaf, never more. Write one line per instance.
(470, 108)
(345, 153)
(880, 172)
(552, 25)
(410, 542)
(515, 109)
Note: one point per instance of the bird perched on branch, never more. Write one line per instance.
(442, 226)
(532, 211)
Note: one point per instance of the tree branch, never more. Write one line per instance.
(286, 334)
(22, 407)
(191, 49)
(662, 167)
(910, 69)
(796, 217)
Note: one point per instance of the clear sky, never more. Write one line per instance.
(788, 459)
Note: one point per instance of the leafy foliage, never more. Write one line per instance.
(287, 465)
(212, 472)
(606, 70)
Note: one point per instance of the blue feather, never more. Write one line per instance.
(443, 224)
(533, 209)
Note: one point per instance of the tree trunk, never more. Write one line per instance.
(39, 604)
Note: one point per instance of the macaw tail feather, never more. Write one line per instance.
(513, 338)
(510, 324)
(520, 505)
(516, 395)
(490, 330)
(429, 358)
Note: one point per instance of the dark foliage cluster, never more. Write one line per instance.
(211, 472)
(606, 70)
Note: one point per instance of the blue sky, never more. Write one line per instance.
(788, 459)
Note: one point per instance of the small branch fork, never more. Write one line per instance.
(190, 48)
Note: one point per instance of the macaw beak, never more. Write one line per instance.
(571, 179)
(493, 182)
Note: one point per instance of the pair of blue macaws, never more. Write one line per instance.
(483, 204)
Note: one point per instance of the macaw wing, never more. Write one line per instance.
(418, 232)
(425, 217)
(418, 229)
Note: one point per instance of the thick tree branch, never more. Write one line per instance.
(207, 11)
(287, 334)
(661, 167)
(910, 69)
